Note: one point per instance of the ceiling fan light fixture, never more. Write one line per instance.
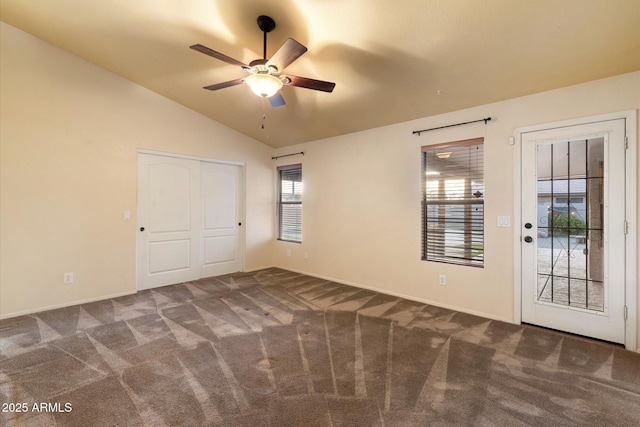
(264, 85)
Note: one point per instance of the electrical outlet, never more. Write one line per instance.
(442, 280)
(288, 252)
(68, 278)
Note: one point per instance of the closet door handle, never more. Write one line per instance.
(141, 228)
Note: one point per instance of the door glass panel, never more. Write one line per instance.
(570, 194)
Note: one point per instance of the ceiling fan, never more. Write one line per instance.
(265, 76)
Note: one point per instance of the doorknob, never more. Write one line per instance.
(528, 225)
(141, 228)
(528, 239)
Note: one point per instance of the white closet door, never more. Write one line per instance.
(189, 220)
(221, 186)
(169, 218)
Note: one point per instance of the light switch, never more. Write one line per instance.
(127, 215)
(504, 221)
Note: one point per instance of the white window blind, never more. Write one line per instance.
(453, 202)
(290, 203)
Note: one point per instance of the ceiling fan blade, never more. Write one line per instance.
(288, 52)
(221, 56)
(276, 100)
(310, 83)
(224, 84)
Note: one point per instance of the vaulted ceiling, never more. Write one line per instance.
(392, 61)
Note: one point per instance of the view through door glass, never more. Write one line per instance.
(570, 244)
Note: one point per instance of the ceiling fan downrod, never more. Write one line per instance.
(266, 24)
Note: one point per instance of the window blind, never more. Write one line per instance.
(453, 202)
(290, 203)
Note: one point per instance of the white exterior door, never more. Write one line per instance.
(188, 220)
(221, 220)
(573, 222)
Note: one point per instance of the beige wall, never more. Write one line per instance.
(69, 136)
(361, 207)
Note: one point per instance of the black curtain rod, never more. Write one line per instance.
(485, 120)
(287, 155)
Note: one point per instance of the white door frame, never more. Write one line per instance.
(242, 205)
(631, 286)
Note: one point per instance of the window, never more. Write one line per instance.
(290, 203)
(453, 202)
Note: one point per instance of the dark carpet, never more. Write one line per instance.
(276, 348)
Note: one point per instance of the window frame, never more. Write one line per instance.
(281, 203)
(435, 242)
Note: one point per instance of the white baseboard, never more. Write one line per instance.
(251, 270)
(400, 295)
(69, 304)
(319, 276)
(85, 301)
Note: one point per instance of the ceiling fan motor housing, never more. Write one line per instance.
(260, 65)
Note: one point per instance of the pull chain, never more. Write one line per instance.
(264, 115)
